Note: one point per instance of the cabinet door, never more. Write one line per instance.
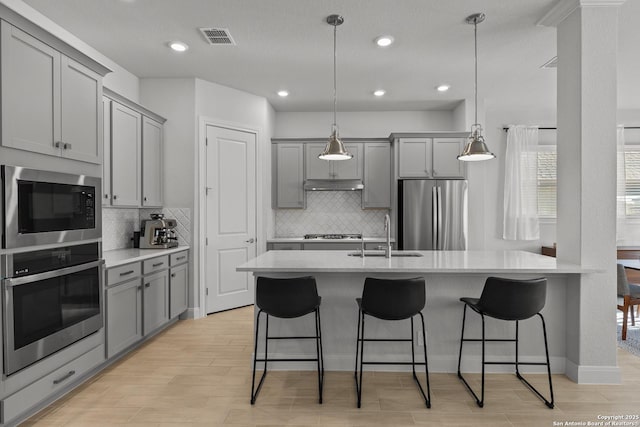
(284, 246)
(289, 176)
(151, 162)
(179, 290)
(414, 158)
(349, 169)
(316, 168)
(125, 155)
(377, 175)
(445, 158)
(155, 301)
(106, 151)
(30, 92)
(81, 114)
(124, 316)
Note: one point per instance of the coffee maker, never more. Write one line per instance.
(158, 233)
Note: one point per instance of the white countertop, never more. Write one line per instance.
(303, 240)
(118, 257)
(487, 262)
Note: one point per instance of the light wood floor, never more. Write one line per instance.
(197, 373)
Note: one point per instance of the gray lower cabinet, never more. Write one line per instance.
(284, 246)
(179, 292)
(137, 299)
(124, 316)
(155, 301)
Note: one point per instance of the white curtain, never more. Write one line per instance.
(621, 233)
(520, 184)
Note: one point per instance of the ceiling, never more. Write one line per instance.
(287, 44)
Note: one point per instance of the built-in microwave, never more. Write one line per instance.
(43, 207)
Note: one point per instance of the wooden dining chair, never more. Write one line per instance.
(628, 297)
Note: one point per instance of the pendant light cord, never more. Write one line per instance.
(475, 84)
(335, 91)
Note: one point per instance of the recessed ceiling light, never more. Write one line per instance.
(384, 41)
(443, 88)
(178, 46)
(379, 92)
(283, 93)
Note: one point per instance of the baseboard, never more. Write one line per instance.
(191, 313)
(582, 374)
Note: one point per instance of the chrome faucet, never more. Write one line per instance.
(387, 229)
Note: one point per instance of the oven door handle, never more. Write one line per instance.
(17, 281)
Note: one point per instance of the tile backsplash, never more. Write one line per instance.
(330, 212)
(119, 224)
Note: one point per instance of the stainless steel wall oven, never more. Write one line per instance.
(51, 299)
(42, 207)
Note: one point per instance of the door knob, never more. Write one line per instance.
(251, 240)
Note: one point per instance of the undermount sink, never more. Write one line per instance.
(394, 254)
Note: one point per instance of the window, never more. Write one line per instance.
(547, 181)
(632, 182)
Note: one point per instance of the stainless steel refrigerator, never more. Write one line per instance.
(432, 214)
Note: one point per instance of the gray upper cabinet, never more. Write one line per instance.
(430, 158)
(133, 153)
(415, 157)
(151, 163)
(445, 158)
(81, 110)
(316, 168)
(106, 151)
(125, 155)
(50, 103)
(288, 176)
(377, 175)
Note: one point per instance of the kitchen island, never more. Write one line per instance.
(449, 275)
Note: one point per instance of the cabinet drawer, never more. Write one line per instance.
(123, 273)
(155, 264)
(58, 380)
(285, 246)
(179, 258)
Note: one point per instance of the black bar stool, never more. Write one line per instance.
(514, 300)
(391, 300)
(287, 299)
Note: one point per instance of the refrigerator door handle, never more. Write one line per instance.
(439, 220)
(434, 218)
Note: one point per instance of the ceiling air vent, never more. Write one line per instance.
(217, 36)
(552, 63)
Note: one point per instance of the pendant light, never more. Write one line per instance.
(476, 149)
(334, 150)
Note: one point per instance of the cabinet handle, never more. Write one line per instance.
(146, 285)
(173, 274)
(63, 378)
(115, 197)
(66, 146)
(158, 264)
(57, 144)
(126, 273)
(181, 257)
(139, 287)
(106, 196)
(145, 199)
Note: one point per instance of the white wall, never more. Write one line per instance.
(174, 99)
(355, 124)
(119, 80)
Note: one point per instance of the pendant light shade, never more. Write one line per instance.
(334, 150)
(475, 148)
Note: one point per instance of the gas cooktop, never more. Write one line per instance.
(332, 236)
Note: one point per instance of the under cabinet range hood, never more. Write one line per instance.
(333, 185)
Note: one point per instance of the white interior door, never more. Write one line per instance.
(230, 228)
